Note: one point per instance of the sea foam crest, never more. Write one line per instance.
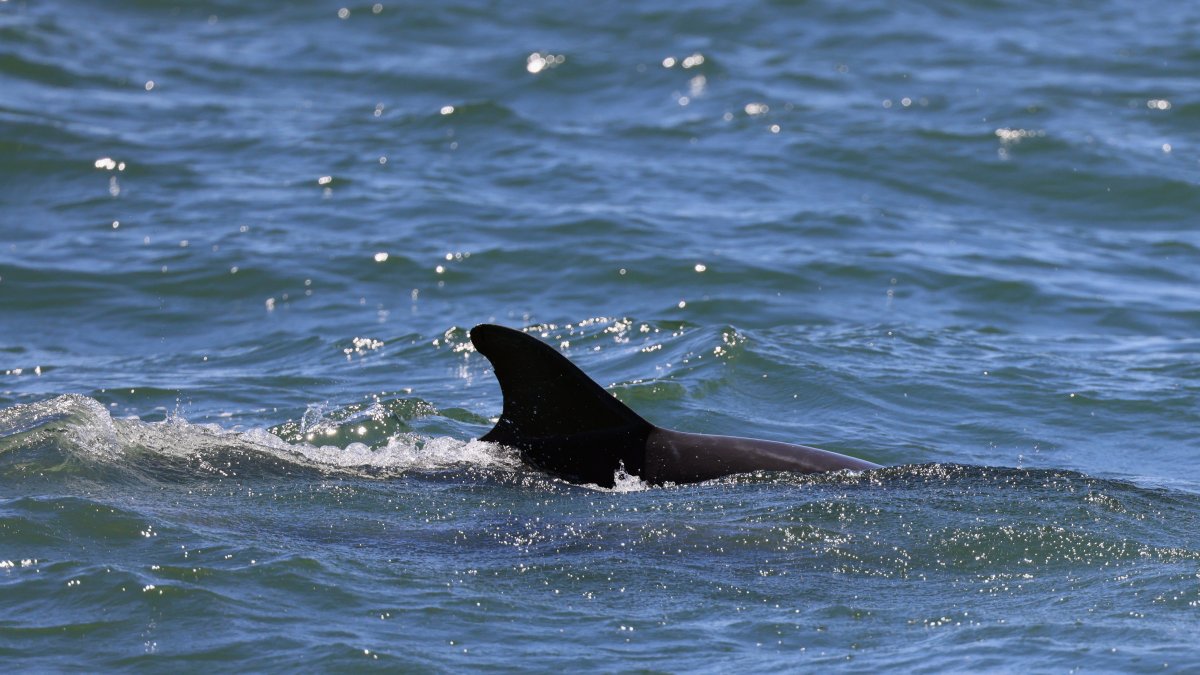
(83, 427)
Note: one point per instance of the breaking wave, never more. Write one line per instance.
(77, 433)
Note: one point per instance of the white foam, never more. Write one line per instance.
(91, 431)
(405, 453)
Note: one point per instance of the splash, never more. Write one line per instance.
(80, 428)
(83, 419)
(623, 481)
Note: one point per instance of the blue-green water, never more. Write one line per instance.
(241, 246)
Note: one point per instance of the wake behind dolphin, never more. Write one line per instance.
(565, 424)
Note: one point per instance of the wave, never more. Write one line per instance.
(75, 434)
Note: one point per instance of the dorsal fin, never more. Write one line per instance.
(550, 405)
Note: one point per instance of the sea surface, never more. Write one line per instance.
(242, 245)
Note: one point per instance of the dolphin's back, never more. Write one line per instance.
(680, 457)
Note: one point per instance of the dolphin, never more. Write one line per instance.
(565, 424)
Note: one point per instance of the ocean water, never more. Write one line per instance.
(241, 245)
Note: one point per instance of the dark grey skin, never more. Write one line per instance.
(565, 424)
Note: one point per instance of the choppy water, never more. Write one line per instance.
(240, 248)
